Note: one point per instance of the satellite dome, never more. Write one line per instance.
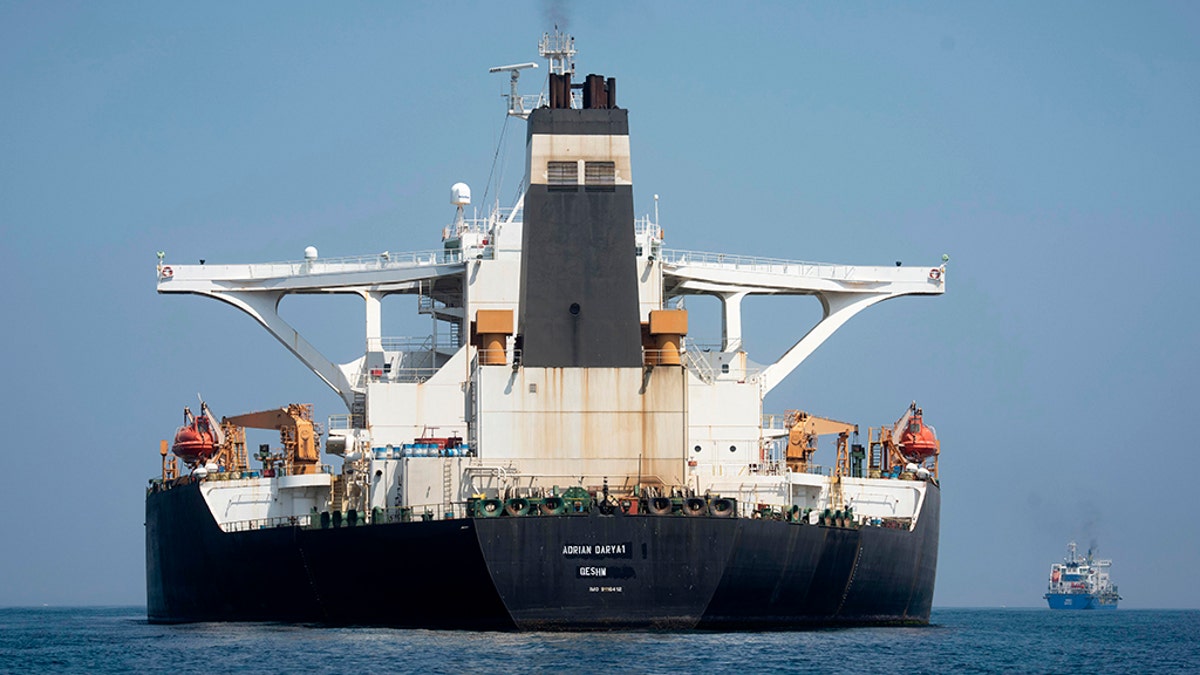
(310, 253)
(460, 194)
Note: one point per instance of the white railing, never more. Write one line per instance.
(527, 103)
(341, 265)
(697, 362)
(418, 343)
(771, 467)
(417, 362)
(757, 264)
(382, 260)
(774, 421)
(644, 225)
(402, 374)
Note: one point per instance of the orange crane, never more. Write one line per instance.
(803, 431)
(297, 433)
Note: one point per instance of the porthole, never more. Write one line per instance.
(574, 309)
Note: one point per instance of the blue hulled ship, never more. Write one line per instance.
(1080, 582)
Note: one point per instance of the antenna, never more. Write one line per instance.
(559, 50)
(515, 105)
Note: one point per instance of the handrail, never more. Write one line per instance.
(303, 520)
(417, 343)
(381, 260)
(643, 225)
(341, 265)
(407, 375)
(757, 264)
(774, 422)
(454, 510)
(696, 362)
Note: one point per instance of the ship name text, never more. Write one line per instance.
(621, 550)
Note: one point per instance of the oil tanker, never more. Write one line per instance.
(1081, 582)
(558, 452)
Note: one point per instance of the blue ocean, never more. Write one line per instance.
(106, 640)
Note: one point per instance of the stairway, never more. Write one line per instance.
(338, 498)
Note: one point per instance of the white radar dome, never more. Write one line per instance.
(310, 253)
(460, 194)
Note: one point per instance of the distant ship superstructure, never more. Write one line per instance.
(558, 449)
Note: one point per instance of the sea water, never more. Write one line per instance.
(106, 640)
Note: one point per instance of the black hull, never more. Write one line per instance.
(534, 573)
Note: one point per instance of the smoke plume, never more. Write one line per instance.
(556, 14)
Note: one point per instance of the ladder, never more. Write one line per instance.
(338, 496)
(358, 411)
(697, 363)
(447, 486)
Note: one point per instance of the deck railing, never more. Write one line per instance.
(757, 264)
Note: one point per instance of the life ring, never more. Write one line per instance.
(167, 273)
(935, 274)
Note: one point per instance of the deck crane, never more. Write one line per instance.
(803, 431)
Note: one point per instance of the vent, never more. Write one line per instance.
(602, 174)
(562, 173)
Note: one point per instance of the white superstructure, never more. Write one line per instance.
(403, 389)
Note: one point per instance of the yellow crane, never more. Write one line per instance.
(296, 432)
(803, 431)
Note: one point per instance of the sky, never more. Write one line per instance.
(1050, 149)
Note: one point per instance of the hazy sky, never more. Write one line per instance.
(1049, 148)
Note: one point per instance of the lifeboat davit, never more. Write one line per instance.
(919, 441)
(195, 441)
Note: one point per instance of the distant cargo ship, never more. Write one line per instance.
(1080, 582)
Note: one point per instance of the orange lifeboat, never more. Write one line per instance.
(195, 442)
(919, 441)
